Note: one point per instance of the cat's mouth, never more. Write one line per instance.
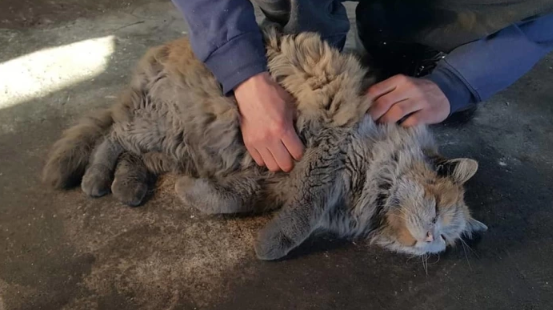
(434, 248)
(419, 248)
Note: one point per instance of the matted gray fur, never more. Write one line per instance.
(358, 179)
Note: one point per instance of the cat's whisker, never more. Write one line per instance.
(425, 263)
(411, 257)
(463, 244)
(437, 260)
(469, 248)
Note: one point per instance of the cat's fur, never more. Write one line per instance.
(356, 178)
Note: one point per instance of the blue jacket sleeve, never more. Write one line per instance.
(475, 71)
(226, 37)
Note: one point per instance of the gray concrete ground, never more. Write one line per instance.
(61, 250)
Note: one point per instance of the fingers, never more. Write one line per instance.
(382, 88)
(255, 155)
(275, 157)
(269, 160)
(293, 144)
(278, 156)
(385, 94)
(411, 121)
(276, 153)
(414, 100)
(400, 110)
(282, 157)
(422, 117)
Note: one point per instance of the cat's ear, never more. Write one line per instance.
(459, 169)
(474, 226)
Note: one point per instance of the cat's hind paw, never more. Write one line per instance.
(131, 180)
(128, 191)
(96, 181)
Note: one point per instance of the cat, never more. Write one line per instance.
(358, 179)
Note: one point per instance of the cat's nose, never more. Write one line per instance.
(429, 237)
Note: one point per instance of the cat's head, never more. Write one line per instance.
(425, 211)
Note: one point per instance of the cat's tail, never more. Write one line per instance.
(69, 156)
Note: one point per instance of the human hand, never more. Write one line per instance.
(421, 100)
(267, 123)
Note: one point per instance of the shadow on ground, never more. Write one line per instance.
(61, 250)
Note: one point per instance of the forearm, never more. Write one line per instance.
(477, 70)
(225, 36)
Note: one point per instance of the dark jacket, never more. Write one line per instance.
(224, 34)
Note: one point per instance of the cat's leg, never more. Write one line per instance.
(232, 194)
(131, 179)
(314, 187)
(99, 174)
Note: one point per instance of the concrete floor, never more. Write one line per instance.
(62, 250)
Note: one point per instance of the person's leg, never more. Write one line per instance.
(326, 17)
(402, 33)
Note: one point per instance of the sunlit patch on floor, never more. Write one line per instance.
(49, 70)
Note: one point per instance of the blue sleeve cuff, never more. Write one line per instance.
(237, 60)
(453, 86)
(477, 70)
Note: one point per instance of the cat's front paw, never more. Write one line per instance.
(96, 181)
(272, 243)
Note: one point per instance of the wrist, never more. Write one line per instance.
(453, 87)
(253, 81)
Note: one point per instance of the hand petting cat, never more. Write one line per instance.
(267, 123)
(413, 100)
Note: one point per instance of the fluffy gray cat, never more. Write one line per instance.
(358, 179)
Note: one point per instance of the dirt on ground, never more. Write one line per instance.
(20, 14)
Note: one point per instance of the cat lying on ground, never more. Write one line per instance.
(358, 179)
